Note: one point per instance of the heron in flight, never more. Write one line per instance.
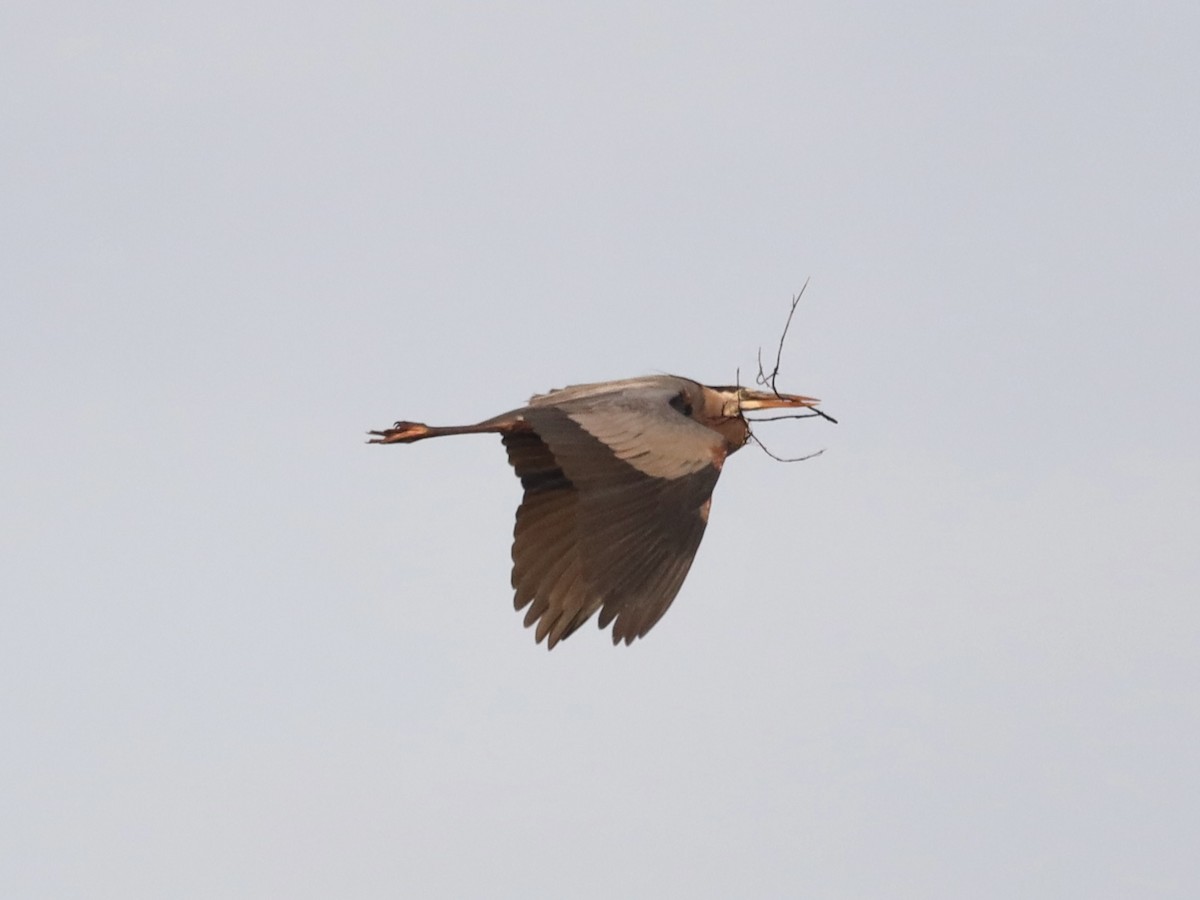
(618, 480)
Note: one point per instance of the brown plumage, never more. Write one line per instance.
(618, 479)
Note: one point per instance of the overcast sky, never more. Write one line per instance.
(245, 655)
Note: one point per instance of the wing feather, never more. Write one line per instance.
(616, 480)
(633, 534)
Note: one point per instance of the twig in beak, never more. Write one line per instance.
(814, 413)
(754, 438)
(763, 379)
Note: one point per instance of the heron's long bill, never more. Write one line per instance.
(762, 400)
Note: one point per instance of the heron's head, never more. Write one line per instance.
(731, 402)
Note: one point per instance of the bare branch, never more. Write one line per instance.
(768, 380)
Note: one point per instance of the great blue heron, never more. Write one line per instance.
(618, 479)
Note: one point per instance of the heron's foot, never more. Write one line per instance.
(400, 433)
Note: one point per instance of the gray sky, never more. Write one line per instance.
(245, 655)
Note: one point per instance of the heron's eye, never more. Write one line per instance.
(681, 403)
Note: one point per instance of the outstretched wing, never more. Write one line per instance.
(617, 488)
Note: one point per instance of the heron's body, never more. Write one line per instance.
(618, 479)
